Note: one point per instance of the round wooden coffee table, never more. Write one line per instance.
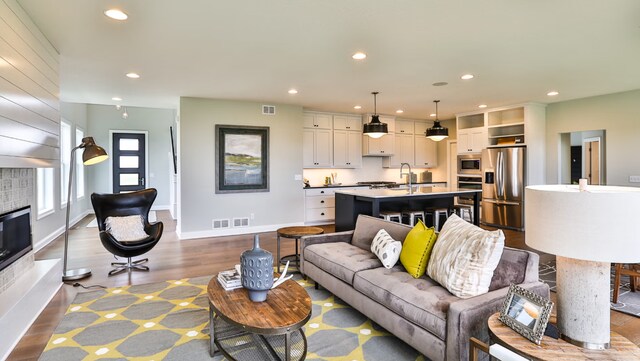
(269, 330)
(557, 349)
(295, 232)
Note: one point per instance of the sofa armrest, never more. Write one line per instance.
(305, 241)
(468, 318)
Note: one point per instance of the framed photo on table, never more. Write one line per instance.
(242, 159)
(526, 313)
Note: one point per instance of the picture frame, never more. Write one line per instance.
(526, 313)
(242, 159)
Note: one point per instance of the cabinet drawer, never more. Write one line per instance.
(319, 192)
(319, 214)
(320, 202)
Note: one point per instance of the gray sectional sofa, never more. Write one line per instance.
(419, 311)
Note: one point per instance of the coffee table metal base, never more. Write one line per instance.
(237, 344)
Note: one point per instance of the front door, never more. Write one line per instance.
(129, 160)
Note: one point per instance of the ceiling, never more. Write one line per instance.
(256, 50)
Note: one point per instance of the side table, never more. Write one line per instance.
(295, 232)
(557, 349)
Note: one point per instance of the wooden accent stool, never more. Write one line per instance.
(633, 272)
(295, 232)
(269, 330)
(556, 350)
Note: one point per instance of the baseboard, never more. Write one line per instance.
(38, 245)
(234, 231)
(163, 207)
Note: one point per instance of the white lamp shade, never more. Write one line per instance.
(601, 224)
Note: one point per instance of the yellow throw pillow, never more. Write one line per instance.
(416, 249)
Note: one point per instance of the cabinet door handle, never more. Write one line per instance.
(321, 201)
(322, 214)
(348, 127)
(322, 192)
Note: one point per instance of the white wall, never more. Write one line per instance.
(199, 205)
(617, 114)
(103, 118)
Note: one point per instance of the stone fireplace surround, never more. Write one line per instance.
(26, 286)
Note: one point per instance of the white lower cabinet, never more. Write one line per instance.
(320, 206)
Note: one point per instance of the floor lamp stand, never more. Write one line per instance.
(80, 273)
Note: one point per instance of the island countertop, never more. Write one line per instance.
(417, 191)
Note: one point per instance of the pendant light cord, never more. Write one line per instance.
(375, 104)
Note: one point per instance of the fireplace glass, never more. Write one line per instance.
(15, 235)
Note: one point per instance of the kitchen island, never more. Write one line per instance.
(351, 203)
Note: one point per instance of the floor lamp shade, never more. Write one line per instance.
(586, 230)
(92, 154)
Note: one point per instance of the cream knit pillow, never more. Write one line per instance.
(464, 258)
(126, 229)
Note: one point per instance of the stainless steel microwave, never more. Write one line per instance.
(470, 164)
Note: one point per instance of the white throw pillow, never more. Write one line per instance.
(386, 248)
(126, 229)
(464, 257)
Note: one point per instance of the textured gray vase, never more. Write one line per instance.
(257, 271)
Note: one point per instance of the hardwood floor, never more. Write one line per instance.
(175, 259)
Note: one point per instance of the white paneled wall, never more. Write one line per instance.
(29, 92)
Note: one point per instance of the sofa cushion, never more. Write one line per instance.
(367, 227)
(511, 269)
(416, 249)
(420, 301)
(386, 248)
(126, 229)
(464, 258)
(340, 259)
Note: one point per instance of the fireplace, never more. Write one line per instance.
(15, 235)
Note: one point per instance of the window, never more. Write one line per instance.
(44, 188)
(65, 160)
(79, 167)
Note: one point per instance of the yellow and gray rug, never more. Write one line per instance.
(169, 321)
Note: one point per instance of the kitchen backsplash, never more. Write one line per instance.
(371, 171)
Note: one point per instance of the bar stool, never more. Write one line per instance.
(435, 214)
(391, 216)
(413, 216)
(464, 211)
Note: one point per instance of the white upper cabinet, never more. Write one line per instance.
(472, 134)
(347, 122)
(317, 120)
(403, 153)
(426, 155)
(383, 146)
(404, 126)
(420, 128)
(347, 149)
(317, 148)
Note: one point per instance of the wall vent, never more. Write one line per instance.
(241, 222)
(268, 110)
(221, 223)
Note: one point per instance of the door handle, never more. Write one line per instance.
(142, 181)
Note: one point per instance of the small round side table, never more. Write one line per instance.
(295, 232)
(557, 349)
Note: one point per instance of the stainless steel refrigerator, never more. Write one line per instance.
(503, 185)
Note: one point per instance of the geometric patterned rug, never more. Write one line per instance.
(169, 321)
(628, 302)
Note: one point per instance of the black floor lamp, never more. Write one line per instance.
(92, 154)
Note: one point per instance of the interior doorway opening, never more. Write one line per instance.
(582, 155)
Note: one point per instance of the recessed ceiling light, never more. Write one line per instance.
(399, 111)
(552, 93)
(292, 91)
(359, 55)
(440, 83)
(482, 106)
(133, 75)
(357, 107)
(118, 99)
(467, 77)
(432, 114)
(116, 14)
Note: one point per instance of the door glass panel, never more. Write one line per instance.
(129, 179)
(129, 161)
(129, 144)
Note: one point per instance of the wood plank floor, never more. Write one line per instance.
(175, 259)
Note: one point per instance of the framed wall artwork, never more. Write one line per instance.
(242, 159)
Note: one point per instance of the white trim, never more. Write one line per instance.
(584, 157)
(55, 234)
(452, 174)
(146, 154)
(162, 207)
(235, 231)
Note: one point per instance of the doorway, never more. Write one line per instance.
(129, 161)
(592, 160)
(582, 154)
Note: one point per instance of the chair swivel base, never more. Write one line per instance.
(129, 266)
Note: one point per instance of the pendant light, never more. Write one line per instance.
(375, 129)
(437, 132)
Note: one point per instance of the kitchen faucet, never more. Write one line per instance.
(408, 175)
